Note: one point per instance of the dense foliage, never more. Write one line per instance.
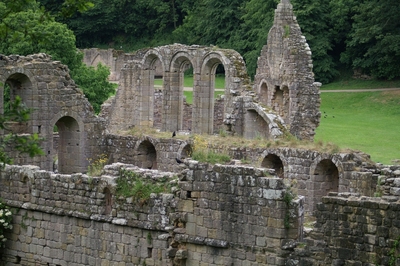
(26, 28)
(23, 143)
(343, 34)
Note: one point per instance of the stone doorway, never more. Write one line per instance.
(69, 146)
(325, 179)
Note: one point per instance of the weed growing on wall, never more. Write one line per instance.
(96, 166)
(5, 222)
(131, 184)
(202, 153)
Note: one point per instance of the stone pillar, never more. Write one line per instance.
(147, 98)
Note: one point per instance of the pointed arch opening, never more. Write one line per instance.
(151, 92)
(147, 155)
(205, 113)
(273, 161)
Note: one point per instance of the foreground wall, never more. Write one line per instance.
(218, 215)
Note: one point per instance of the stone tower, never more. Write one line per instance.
(284, 79)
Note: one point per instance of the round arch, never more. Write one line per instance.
(273, 161)
(326, 174)
(173, 91)
(203, 94)
(20, 82)
(185, 150)
(68, 150)
(146, 154)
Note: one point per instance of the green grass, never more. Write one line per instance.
(188, 81)
(189, 95)
(353, 84)
(366, 121)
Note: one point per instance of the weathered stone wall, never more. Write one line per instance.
(388, 180)
(284, 79)
(62, 220)
(218, 214)
(313, 174)
(353, 230)
(114, 59)
(137, 86)
(45, 87)
(235, 215)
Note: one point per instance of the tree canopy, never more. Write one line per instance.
(27, 28)
(342, 34)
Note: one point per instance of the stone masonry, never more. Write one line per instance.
(292, 206)
(284, 80)
(46, 87)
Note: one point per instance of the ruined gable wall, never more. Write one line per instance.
(284, 79)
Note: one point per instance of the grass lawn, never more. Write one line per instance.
(366, 121)
(188, 81)
(353, 84)
(189, 95)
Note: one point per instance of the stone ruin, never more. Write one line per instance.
(297, 207)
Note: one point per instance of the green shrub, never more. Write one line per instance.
(131, 184)
(5, 222)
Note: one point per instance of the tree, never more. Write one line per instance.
(33, 30)
(211, 22)
(374, 40)
(94, 84)
(314, 19)
(29, 144)
(258, 17)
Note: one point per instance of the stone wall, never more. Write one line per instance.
(46, 87)
(353, 230)
(218, 215)
(114, 59)
(284, 79)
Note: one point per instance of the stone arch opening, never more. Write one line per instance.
(273, 161)
(151, 94)
(69, 155)
(263, 93)
(325, 179)
(204, 97)
(186, 151)
(147, 155)
(174, 96)
(281, 101)
(107, 201)
(18, 84)
(255, 126)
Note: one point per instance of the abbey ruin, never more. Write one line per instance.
(291, 206)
